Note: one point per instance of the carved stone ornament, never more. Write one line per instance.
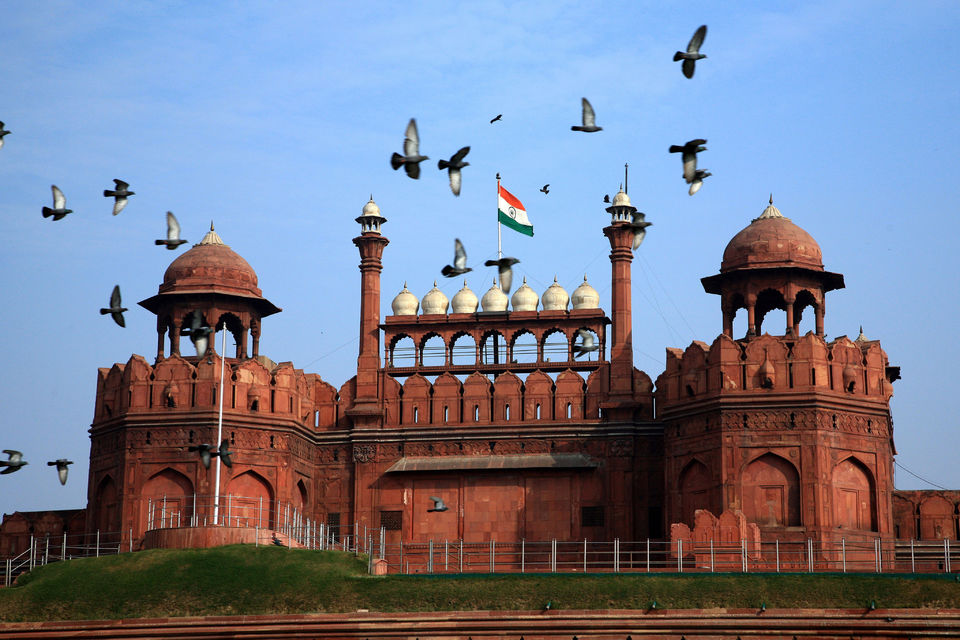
(364, 452)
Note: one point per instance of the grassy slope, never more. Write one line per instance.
(240, 580)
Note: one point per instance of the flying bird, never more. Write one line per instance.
(587, 343)
(13, 462)
(545, 188)
(606, 198)
(453, 166)
(199, 333)
(173, 233)
(205, 453)
(639, 225)
(119, 195)
(589, 119)
(438, 505)
(459, 261)
(3, 132)
(62, 467)
(692, 54)
(59, 205)
(115, 310)
(697, 182)
(411, 158)
(499, 117)
(224, 453)
(689, 153)
(505, 272)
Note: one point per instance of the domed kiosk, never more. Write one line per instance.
(772, 264)
(216, 282)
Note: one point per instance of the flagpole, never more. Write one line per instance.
(499, 246)
(216, 482)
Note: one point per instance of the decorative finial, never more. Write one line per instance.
(371, 197)
(524, 279)
(404, 284)
(771, 198)
(584, 277)
(464, 283)
(211, 225)
(555, 279)
(434, 284)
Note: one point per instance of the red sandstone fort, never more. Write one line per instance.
(787, 436)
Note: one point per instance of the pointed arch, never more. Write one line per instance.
(173, 492)
(771, 492)
(248, 501)
(854, 500)
(106, 514)
(696, 489)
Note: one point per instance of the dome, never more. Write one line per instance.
(555, 298)
(524, 298)
(621, 199)
(465, 301)
(585, 296)
(494, 299)
(772, 240)
(405, 304)
(371, 208)
(210, 266)
(435, 302)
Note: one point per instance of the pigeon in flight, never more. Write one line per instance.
(62, 467)
(459, 261)
(173, 233)
(119, 195)
(545, 188)
(115, 310)
(224, 453)
(59, 205)
(205, 453)
(639, 229)
(505, 271)
(199, 333)
(589, 119)
(606, 198)
(697, 182)
(438, 505)
(586, 345)
(3, 132)
(453, 166)
(689, 153)
(499, 117)
(411, 157)
(13, 462)
(692, 54)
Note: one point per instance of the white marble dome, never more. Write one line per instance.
(435, 302)
(585, 296)
(555, 298)
(465, 300)
(405, 304)
(494, 299)
(524, 298)
(621, 199)
(371, 208)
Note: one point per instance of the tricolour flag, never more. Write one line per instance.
(512, 214)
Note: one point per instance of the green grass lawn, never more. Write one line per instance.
(246, 580)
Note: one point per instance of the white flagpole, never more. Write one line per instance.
(216, 486)
(499, 246)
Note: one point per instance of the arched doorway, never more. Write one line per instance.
(854, 504)
(106, 509)
(168, 499)
(771, 492)
(248, 502)
(695, 486)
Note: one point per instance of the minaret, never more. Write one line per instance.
(621, 234)
(367, 411)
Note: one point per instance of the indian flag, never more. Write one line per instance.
(511, 212)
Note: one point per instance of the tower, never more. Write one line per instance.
(793, 431)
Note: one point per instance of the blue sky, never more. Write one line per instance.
(277, 120)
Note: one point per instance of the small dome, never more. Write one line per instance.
(524, 298)
(211, 265)
(555, 298)
(465, 301)
(772, 240)
(621, 199)
(585, 296)
(435, 302)
(371, 208)
(494, 299)
(405, 304)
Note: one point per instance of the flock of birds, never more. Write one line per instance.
(198, 330)
(411, 158)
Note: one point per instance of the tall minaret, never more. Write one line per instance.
(367, 410)
(621, 233)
